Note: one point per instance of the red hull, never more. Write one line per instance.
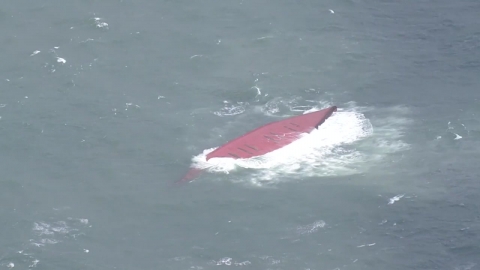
(272, 136)
(267, 138)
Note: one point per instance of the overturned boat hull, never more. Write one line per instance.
(267, 138)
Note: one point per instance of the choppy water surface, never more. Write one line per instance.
(105, 104)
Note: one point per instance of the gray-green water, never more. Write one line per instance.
(104, 104)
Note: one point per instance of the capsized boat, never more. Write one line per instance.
(267, 138)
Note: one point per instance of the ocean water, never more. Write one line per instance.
(105, 104)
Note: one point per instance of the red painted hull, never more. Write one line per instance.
(267, 138)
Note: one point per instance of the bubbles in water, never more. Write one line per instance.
(231, 109)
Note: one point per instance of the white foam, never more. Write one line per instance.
(100, 23)
(84, 220)
(230, 262)
(367, 245)
(53, 233)
(127, 105)
(395, 199)
(231, 109)
(345, 144)
(309, 156)
(34, 263)
(311, 228)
